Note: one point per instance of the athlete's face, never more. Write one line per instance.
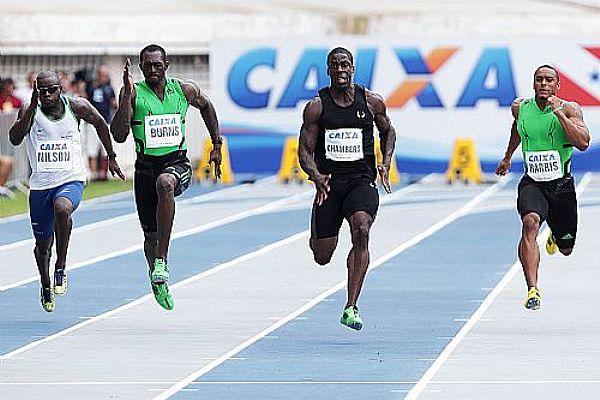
(545, 83)
(153, 66)
(49, 90)
(340, 70)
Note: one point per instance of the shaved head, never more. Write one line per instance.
(549, 67)
(340, 50)
(46, 78)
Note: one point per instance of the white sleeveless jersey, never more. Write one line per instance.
(54, 150)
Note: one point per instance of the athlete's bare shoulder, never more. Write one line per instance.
(313, 110)
(571, 107)
(375, 101)
(187, 87)
(514, 107)
(79, 105)
(187, 84)
(84, 110)
(373, 96)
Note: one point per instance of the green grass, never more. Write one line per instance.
(19, 204)
(102, 188)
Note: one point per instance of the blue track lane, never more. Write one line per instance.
(106, 285)
(409, 305)
(90, 212)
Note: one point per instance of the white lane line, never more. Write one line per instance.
(265, 208)
(219, 268)
(201, 383)
(130, 216)
(532, 382)
(122, 383)
(202, 275)
(82, 383)
(466, 328)
(255, 211)
(316, 300)
(205, 274)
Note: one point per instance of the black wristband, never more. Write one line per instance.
(111, 154)
(218, 140)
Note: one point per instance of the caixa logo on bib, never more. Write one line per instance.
(542, 157)
(491, 77)
(343, 134)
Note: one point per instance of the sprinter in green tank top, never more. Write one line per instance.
(547, 128)
(154, 110)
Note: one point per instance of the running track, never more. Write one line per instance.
(255, 318)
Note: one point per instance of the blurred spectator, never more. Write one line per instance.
(102, 96)
(5, 168)
(85, 74)
(65, 83)
(79, 88)
(8, 101)
(24, 92)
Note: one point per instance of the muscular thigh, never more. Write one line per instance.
(362, 196)
(562, 215)
(146, 199)
(327, 218)
(41, 213)
(531, 198)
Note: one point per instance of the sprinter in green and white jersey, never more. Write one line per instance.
(547, 128)
(154, 109)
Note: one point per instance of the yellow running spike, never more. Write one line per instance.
(551, 246)
(533, 300)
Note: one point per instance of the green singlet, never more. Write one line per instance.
(546, 149)
(159, 126)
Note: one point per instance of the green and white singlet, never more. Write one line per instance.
(159, 126)
(546, 149)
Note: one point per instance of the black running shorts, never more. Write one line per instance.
(555, 202)
(146, 174)
(345, 198)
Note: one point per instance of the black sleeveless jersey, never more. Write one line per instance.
(345, 145)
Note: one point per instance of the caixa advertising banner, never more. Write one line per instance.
(435, 92)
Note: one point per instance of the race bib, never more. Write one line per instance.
(54, 155)
(163, 130)
(344, 144)
(543, 166)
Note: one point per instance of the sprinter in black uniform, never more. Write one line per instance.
(337, 152)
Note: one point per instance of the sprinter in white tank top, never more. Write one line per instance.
(58, 171)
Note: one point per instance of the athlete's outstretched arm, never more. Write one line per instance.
(571, 118)
(387, 136)
(121, 123)
(513, 142)
(196, 98)
(25, 118)
(85, 111)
